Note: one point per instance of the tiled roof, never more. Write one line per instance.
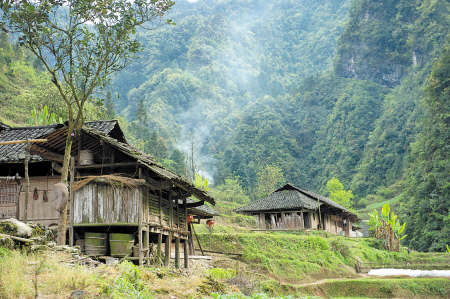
(203, 210)
(290, 197)
(11, 152)
(104, 126)
(281, 200)
(150, 162)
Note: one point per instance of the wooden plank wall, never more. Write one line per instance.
(333, 224)
(289, 221)
(154, 213)
(38, 210)
(100, 203)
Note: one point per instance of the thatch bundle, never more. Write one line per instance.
(115, 180)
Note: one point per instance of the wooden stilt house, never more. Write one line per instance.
(116, 188)
(292, 208)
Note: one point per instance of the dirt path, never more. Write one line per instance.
(328, 279)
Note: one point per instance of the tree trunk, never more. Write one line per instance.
(63, 215)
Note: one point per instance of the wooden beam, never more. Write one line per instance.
(48, 154)
(57, 167)
(156, 185)
(195, 204)
(80, 148)
(107, 165)
(181, 196)
(22, 141)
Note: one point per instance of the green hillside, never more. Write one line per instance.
(318, 89)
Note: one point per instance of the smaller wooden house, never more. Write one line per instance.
(292, 208)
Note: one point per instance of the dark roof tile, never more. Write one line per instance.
(290, 197)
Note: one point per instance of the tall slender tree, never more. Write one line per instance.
(81, 44)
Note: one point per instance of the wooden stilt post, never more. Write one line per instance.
(186, 241)
(140, 208)
(177, 252)
(186, 253)
(158, 252)
(167, 250)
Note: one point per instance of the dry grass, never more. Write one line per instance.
(55, 278)
(115, 180)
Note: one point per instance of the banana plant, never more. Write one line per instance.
(385, 212)
(375, 221)
(43, 118)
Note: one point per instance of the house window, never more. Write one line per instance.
(314, 216)
(8, 200)
(8, 194)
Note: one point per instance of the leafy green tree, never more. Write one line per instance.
(179, 160)
(141, 118)
(337, 193)
(428, 185)
(110, 113)
(81, 44)
(230, 195)
(270, 178)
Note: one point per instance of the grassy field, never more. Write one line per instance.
(303, 257)
(269, 264)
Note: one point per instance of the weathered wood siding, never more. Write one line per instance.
(101, 203)
(333, 224)
(154, 214)
(39, 210)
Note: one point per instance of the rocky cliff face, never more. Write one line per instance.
(384, 39)
(356, 65)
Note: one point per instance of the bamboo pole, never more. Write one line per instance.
(22, 141)
(27, 180)
(198, 241)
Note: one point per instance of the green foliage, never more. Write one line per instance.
(219, 273)
(43, 118)
(383, 288)
(229, 195)
(255, 296)
(337, 193)
(200, 182)
(270, 178)
(129, 284)
(426, 202)
(298, 257)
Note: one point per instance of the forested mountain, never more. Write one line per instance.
(224, 61)
(318, 89)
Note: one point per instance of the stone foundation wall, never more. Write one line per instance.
(196, 263)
